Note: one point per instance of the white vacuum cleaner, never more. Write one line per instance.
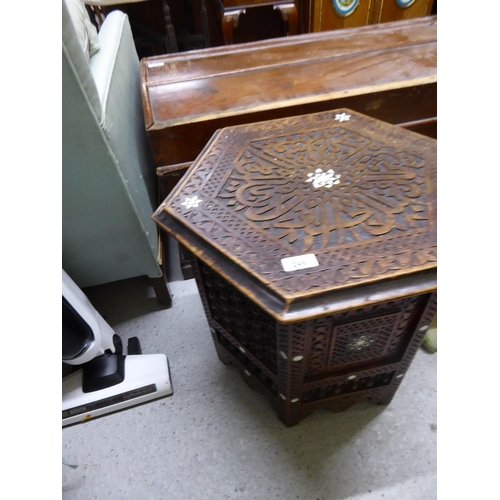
(108, 380)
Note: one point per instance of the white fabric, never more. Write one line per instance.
(76, 69)
(86, 32)
(103, 64)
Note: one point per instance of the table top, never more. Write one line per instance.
(324, 205)
(208, 84)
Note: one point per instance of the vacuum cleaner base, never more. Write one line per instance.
(147, 378)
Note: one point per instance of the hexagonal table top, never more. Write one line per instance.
(294, 208)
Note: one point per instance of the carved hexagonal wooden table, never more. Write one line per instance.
(313, 242)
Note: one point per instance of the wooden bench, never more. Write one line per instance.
(387, 71)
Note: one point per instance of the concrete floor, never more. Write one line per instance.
(215, 438)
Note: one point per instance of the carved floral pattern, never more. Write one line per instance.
(258, 208)
(342, 117)
(321, 179)
(191, 202)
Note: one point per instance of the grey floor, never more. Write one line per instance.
(215, 438)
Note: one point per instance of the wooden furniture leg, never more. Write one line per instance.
(230, 20)
(169, 29)
(160, 285)
(162, 292)
(290, 15)
(204, 23)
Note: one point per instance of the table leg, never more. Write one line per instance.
(230, 20)
(290, 15)
(415, 343)
(291, 358)
(160, 286)
(204, 23)
(169, 29)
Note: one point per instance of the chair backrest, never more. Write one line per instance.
(107, 166)
(75, 66)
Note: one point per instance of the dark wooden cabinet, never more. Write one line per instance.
(231, 10)
(324, 15)
(314, 246)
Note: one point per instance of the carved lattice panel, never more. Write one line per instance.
(360, 341)
(417, 337)
(251, 369)
(360, 336)
(241, 317)
(349, 387)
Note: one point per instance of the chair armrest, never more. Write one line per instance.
(115, 69)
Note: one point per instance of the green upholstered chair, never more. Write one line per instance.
(108, 177)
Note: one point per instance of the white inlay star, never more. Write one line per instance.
(342, 117)
(360, 343)
(194, 201)
(323, 179)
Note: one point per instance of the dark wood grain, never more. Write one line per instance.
(277, 73)
(283, 52)
(160, 286)
(335, 79)
(418, 104)
(399, 228)
(386, 71)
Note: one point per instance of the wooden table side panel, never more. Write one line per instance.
(421, 328)
(293, 342)
(183, 143)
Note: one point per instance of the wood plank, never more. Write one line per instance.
(167, 69)
(385, 71)
(343, 76)
(183, 143)
(220, 82)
